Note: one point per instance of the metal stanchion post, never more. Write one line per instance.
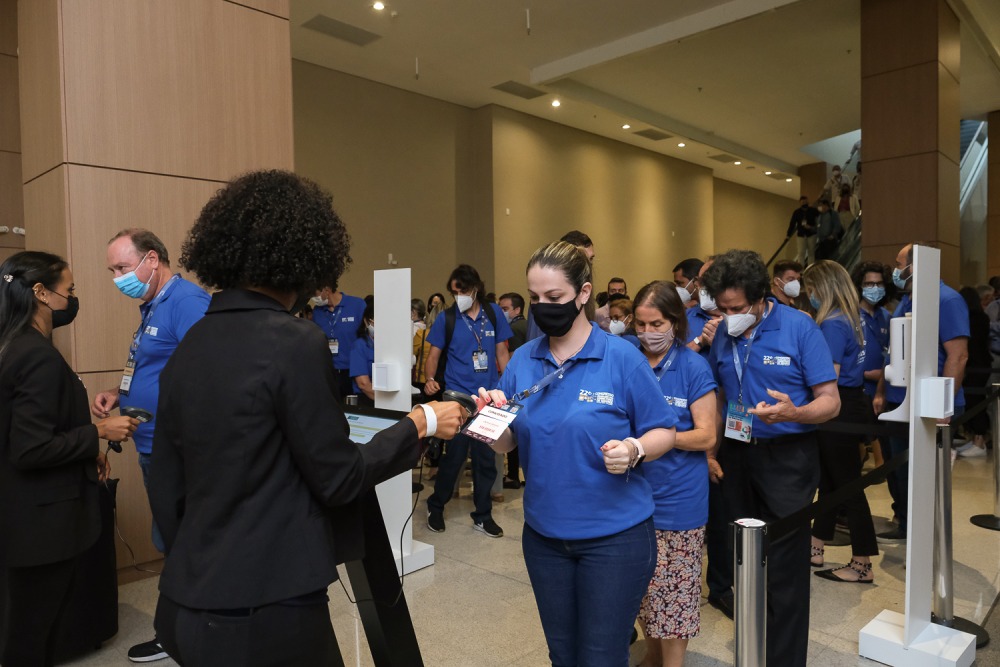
(943, 608)
(750, 578)
(992, 521)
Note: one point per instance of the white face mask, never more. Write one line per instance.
(684, 293)
(616, 327)
(791, 288)
(464, 302)
(508, 315)
(707, 303)
(736, 325)
(318, 302)
(371, 331)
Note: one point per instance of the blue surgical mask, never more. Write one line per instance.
(897, 277)
(130, 285)
(814, 302)
(873, 294)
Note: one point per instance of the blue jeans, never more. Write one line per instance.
(588, 592)
(145, 462)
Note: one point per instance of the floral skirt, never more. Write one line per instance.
(671, 608)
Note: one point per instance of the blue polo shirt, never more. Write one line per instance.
(697, 319)
(953, 322)
(609, 393)
(362, 358)
(845, 349)
(680, 478)
(788, 353)
(181, 305)
(876, 330)
(341, 324)
(459, 374)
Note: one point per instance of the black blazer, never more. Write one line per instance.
(251, 452)
(48, 452)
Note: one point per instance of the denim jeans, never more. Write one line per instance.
(588, 592)
(145, 462)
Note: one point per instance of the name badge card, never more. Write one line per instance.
(480, 361)
(490, 423)
(127, 374)
(738, 422)
(334, 345)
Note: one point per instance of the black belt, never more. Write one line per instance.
(777, 440)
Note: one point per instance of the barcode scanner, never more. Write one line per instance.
(467, 402)
(143, 416)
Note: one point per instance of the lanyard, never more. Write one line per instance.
(746, 360)
(333, 321)
(148, 317)
(557, 374)
(670, 360)
(482, 328)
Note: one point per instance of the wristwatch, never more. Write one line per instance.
(640, 453)
(697, 341)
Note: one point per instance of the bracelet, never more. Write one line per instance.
(432, 420)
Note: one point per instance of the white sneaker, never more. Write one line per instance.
(972, 452)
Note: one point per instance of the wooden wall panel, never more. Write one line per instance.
(276, 7)
(104, 202)
(11, 199)
(8, 27)
(191, 88)
(10, 125)
(134, 517)
(895, 95)
(40, 74)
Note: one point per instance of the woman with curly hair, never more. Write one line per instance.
(252, 446)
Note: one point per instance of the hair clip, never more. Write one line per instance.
(8, 278)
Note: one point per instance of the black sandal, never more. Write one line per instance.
(862, 569)
(815, 552)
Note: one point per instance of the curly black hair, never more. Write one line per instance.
(269, 229)
(737, 269)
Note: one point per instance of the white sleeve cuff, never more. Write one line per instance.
(432, 420)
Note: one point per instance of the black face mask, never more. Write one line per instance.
(61, 318)
(555, 319)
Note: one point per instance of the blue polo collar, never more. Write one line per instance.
(595, 347)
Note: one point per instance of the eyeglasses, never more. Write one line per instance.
(878, 284)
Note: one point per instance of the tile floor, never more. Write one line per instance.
(474, 607)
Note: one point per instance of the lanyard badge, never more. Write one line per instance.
(490, 422)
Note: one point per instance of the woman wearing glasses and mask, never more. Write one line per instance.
(50, 459)
(590, 411)
(776, 381)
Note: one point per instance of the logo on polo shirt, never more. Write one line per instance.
(601, 397)
(676, 402)
(347, 319)
(152, 331)
(771, 360)
(489, 333)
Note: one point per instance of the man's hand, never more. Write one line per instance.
(708, 333)
(431, 387)
(783, 410)
(104, 403)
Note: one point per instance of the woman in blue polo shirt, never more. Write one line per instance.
(590, 410)
(776, 380)
(362, 358)
(832, 294)
(670, 611)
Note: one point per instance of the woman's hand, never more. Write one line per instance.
(103, 467)
(116, 429)
(494, 396)
(617, 456)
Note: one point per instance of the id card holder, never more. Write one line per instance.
(490, 423)
(127, 374)
(480, 361)
(738, 422)
(334, 346)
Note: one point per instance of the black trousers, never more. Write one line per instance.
(768, 482)
(840, 464)
(451, 465)
(38, 598)
(719, 575)
(271, 636)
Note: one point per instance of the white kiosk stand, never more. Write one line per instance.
(910, 639)
(390, 380)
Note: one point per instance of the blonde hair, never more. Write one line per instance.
(832, 285)
(573, 263)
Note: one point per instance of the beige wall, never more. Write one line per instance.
(11, 202)
(751, 219)
(392, 161)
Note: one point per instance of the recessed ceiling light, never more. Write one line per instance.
(737, 163)
(378, 6)
(767, 173)
(556, 103)
(681, 145)
(788, 180)
(626, 126)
